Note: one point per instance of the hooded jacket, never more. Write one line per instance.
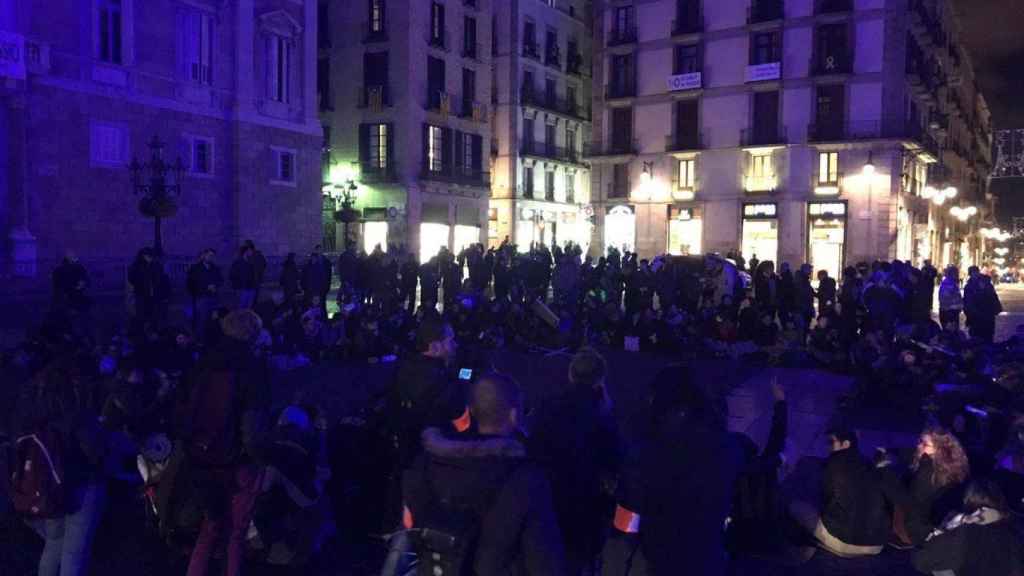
(489, 477)
(982, 543)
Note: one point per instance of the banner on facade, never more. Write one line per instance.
(12, 55)
(759, 211)
(679, 82)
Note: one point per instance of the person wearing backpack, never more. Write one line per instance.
(475, 506)
(222, 421)
(60, 452)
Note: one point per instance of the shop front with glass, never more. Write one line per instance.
(620, 228)
(760, 239)
(375, 234)
(685, 230)
(826, 237)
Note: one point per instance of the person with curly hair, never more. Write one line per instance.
(938, 469)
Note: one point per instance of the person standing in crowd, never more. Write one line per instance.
(787, 293)
(852, 520)
(291, 279)
(980, 541)
(204, 280)
(483, 478)
(228, 398)
(316, 280)
(71, 300)
(676, 486)
(574, 438)
(939, 467)
(348, 272)
(145, 277)
(766, 286)
(826, 292)
(259, 266)
(410, 277)
(850, 303)
(429, 282)
(56, 413)
(804, 298)
(243, 278)
(951, 303)
(982, 305)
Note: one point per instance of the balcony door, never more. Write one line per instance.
(829, 112)
(622, 129)
(832, 52)
(687, 125)
(766, 117)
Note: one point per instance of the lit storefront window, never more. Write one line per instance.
(827, 183)
(760, 232)
(432, 237)
(375, 234)
(465, 236)
(826, 236)
(620, 228)
(685, 228)
(761, 177)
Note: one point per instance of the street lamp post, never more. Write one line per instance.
(159, 185)
(344, 195)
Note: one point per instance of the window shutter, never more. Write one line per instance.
(478, 153)
(364, 143)
(271, 64)
(390, 145)
(458, 137)
(446, 149)
(426, 146)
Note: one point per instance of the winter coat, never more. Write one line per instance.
(949, 296)
(243, 275)
(980, 544)
(201, 277)
(575, 439)
(489, 478)
(853, 509)
(423, 395)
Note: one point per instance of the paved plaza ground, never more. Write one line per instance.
(125, 549)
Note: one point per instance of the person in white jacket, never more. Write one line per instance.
(951, 301)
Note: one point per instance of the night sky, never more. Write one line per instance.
(994, 33)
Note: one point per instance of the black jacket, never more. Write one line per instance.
(424, 394)
(243, 275)
(974, 550)
(679, 477)
(853, 508)
(200, 277)
(489, 478)
(575, 439)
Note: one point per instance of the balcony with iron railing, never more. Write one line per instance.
(763, 136)
(375, 97)
(439, 101)
(761, 11)
(832, 6)
(689, 23)
(684, 141)
(553, 56)
(438, 39)
(461, 175)
(531, 50)
(550, 151)
(617, 90)
(472, 109)
(616, 147)
(553, 103)
(834, 62)
(472, 50)
(574, 64)
(621, 35)
(370, 35)
(895, 128)
(371, 172)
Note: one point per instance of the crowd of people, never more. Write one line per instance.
(182, 401)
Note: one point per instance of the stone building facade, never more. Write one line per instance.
(820, 131)
(540, 192)
(407, 109)
(228, 87)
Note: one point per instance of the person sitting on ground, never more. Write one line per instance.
(852, 520)
(939, 467)
(482, 480)
(980, 541)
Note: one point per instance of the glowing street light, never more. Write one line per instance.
(1002, 250)
(869, 168)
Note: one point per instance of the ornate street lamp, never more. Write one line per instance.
(344, 192)
(159, 185)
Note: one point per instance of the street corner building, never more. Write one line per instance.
(820, 131)
(229, 88)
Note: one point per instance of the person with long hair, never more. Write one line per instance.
(939, 467)
(951, 301)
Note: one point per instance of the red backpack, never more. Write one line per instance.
(214, 429)
(37, 474)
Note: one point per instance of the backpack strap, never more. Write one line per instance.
(46, 454)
